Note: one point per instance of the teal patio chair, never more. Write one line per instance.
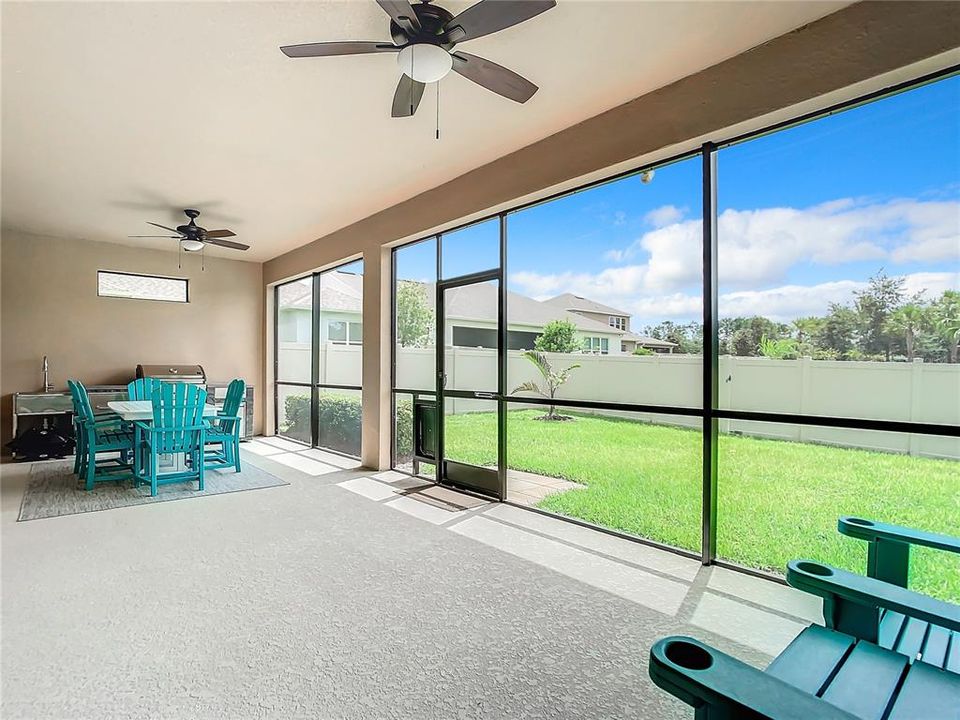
(224, 430)
(143, 388)
(177, 429)
(825, 672)
(888, 559)
(99, 434)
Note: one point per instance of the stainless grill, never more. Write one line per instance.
(174, 373)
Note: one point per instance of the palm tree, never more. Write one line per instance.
(553, 379)
(908, 321)
(807, 329)
(947, 321)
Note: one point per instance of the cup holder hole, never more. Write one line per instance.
(814, 569)
(689, 656)
(860, 521)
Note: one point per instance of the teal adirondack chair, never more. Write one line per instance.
(143, 388)
(888, 559)
(224, 430)
(98, 434)
(834, 671)
(178, 428)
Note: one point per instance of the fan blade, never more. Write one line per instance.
(219, 234)
(490, 16)
(164, 227)
(329, 49)
(172, 237)
(401, 12)
(493, 77)
(407, 97)
(227, 244)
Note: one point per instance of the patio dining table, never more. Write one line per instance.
(142, 410)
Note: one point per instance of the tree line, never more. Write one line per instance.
(881, 323)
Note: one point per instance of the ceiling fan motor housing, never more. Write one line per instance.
(432, 19)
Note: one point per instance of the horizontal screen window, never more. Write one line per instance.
(141, 287)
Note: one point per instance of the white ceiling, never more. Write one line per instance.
(115, 113)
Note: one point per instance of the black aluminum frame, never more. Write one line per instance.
(315, 386)
(710, 413)
(442, 392)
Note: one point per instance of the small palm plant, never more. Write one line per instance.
(553, 379)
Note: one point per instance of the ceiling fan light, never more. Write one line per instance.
(191, 245)
(424, 62)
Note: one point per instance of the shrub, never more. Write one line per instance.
(643, 351)
(340, 422)
(404, 430)
(295, 422)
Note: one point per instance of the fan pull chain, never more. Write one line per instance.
(202, 253)
(413, 56)
(438, 109)
(179, 254)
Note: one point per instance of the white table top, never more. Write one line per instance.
(143, 409)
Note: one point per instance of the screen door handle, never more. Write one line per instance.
(485, 395)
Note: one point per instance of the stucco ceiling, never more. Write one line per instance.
(120, 112)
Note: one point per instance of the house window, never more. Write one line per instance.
(620, 323)
(141, 287)
(341, 332)
(596, 345)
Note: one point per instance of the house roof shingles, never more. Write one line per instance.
(569, 301)
(344, 292)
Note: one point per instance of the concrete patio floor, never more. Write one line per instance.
(353, 594)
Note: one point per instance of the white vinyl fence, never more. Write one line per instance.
(916, 392)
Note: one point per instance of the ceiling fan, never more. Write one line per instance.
(192, 237)
(424, 36)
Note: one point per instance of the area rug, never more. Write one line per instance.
(53, 490)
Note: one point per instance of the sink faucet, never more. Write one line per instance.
(47, 385)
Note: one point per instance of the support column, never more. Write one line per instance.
(377, 357)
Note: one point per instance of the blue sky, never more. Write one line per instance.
(806, 216)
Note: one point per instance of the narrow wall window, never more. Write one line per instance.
(141, 287)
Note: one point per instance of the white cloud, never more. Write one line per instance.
(757, 249)
(625, 290)
(619, 218)
(664, 215)
(760, 246)
(788, 302)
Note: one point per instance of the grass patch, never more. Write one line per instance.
(777, 500)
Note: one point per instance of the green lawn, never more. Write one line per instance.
(777, 500)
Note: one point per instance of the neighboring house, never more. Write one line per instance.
(471, 314)
(341, 302)
(616, 319)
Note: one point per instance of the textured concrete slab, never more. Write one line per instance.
(368, 488)
(764, 631)
(656, 593)
(425, 511)
(285, 604)
(330, 458)
(260, 448)
(282, 443)
(304, 464)
(632, 552)
(763, 592)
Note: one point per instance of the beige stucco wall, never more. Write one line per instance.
(49, 306)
